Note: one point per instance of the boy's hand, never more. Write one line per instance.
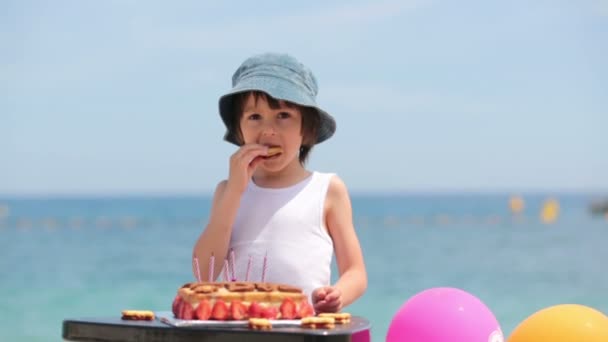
(327, 299)
(242, 165)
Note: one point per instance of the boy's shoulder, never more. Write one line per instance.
(220, 188)
(221, 185)
(337, 187)
(333, 176)
(330, 175)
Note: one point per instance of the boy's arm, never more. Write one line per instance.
(216, 236)
(349, 257)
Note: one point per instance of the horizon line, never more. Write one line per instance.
(355, 192)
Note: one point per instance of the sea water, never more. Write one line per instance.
(92, 257)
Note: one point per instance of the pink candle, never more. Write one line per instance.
(248, 269)
(226, 270)
(264, 266)
(198, 270)
(211, 266)
(232, 265)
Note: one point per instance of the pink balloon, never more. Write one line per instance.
(444, 314)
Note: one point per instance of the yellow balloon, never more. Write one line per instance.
(563, 323)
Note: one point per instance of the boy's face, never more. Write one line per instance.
(282, 127)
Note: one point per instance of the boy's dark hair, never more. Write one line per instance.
(310, 119)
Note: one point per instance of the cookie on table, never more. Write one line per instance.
(317, 322)
(137, 315)
(260, 324)
(339, 317)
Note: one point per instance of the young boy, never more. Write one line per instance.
(271, 209)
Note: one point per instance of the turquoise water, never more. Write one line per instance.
(65, 258)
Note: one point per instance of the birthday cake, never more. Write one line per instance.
(240, 301)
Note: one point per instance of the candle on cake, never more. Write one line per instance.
(211, 267)
(248, 268)
(226, 270)
(232, 265)
(264, 267)
(198, 270)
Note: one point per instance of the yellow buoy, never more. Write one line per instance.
(549, 211)
(516, 204)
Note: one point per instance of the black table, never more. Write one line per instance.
(114, 329)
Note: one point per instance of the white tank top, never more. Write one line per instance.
(287, 227)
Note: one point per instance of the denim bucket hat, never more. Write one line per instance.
(282, 77)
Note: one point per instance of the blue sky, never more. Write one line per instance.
(104, 97)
